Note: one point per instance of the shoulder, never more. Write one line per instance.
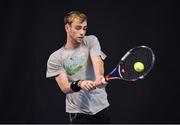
(90, 40)
(56, 54)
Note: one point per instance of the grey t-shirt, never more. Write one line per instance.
(77, 64)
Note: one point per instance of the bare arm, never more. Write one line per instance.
(98, 66)
(65, 85)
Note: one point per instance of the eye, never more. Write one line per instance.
(78, 27)
(85, 28)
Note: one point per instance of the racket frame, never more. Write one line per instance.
(118, 67)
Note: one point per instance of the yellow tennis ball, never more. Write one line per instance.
(138, 66)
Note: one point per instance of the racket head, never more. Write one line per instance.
(142, 54)
(125, 69)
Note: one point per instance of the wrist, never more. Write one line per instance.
(75, 87)
(79, 83)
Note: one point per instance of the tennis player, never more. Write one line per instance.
(78, 69)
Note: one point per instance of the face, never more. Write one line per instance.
(76, 30)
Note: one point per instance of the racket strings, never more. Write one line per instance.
(126, 68)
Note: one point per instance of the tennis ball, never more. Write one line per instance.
(138, 66)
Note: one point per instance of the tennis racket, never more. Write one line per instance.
(126, 69)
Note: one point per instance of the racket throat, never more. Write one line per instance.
(108, 78)
(113, 75)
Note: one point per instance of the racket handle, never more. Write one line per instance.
(107, 78)
(103, 79)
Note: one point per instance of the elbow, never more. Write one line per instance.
(66, 92)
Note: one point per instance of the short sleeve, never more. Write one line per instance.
(54, 66)
(95, 48)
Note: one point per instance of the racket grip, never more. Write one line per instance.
(107, 78)
(103, 79)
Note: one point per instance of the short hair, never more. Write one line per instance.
(74, 15)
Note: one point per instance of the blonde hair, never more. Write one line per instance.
(74, 15)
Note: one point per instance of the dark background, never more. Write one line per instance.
(32, 30)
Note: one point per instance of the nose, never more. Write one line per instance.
(82, 32)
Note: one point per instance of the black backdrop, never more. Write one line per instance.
(32, 30)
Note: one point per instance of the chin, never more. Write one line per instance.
(79, 41)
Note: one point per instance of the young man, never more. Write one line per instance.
(78, 69)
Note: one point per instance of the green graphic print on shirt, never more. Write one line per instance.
(76, 63)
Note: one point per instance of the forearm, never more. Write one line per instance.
(64, 86)
(98, 66)
(63, 83)
(75, 86)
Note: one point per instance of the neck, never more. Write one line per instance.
(71, 44)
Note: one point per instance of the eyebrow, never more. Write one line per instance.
(79, 26)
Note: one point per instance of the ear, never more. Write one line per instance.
(66, 27)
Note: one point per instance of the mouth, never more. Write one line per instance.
(80, 38)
